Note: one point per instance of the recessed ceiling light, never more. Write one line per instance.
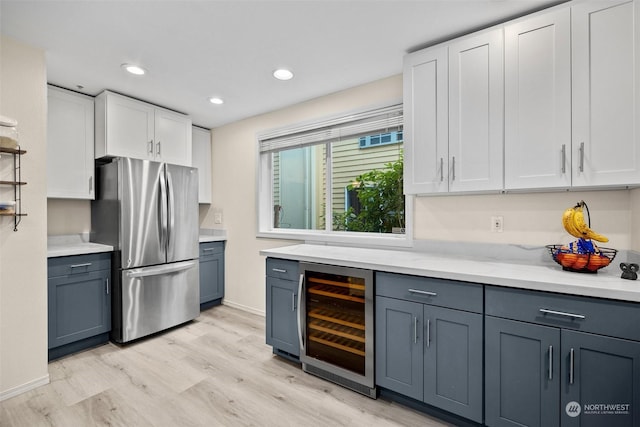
(216, 100)
(283, 74)
(134, 69)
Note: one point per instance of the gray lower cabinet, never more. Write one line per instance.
(425, 349)
(211, 274)
(281, 307)
(546, 366)
(79, 303)
(522, 365)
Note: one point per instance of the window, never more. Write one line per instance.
(380, 139)
(316, 181)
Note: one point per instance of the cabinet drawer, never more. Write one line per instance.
(78, 264)
(440, 292)
(600, 316)
(282, 269)
(211, 248)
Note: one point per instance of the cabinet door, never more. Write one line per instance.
(172, 137)
(211, 271)
(453, 361)
(601, 378)
(522, 369)
(425, 122)
(606, 93)
(538, 102)
(79, 307)
(282, 315)
(201, 159)
(69, 145)
(398, 341)
(128, 127)
(476, 112)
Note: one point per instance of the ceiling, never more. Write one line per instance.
(193, 50)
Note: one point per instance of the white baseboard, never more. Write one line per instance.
(243, 307)
(23, 388)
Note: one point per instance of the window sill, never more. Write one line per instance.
(341, 238)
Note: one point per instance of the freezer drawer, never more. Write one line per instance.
(159, 297)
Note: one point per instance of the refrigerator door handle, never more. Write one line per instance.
(161, 269)
(163, 213)
(170, 211)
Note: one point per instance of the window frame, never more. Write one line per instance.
(265, 199)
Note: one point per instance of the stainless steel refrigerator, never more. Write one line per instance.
(148, 211)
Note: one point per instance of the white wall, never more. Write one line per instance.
(23, 254)
(67, 216)
(529, 219)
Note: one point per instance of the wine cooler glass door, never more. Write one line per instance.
(338, 321)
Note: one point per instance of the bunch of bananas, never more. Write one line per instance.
(573, 221)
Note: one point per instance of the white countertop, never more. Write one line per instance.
(79, 244)
(545, 276)
(212, 235)
(76, 244)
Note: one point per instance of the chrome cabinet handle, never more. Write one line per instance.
(441, 169)
(293, 302)
(453, 168)
(581, 167)
(150, 143)
(564, 158)
(278, 270)
(550, 362)
(86, 264)
(428, 333)
(158, 148)
(562, 313)
(208, 249)
(417, 291)
(571, 356)
(90, 184)
(107, 286)
(415, 330)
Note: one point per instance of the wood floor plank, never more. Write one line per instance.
(214, 371)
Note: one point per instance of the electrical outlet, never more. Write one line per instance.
(217, 218)
(497, 223)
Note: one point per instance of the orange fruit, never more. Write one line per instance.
(597, 261)
(581, 261)
(568, 259)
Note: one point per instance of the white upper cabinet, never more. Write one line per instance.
(173, 137)
(126, 127)
(69, 145)
(453, 116)
(202, 161)
(538, 102)
(426, 155)
(476, 112)
(606, 93)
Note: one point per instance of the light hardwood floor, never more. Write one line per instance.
(214, 371)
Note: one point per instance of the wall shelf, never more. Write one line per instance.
(17, 184)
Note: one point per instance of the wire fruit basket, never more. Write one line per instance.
(587, 262)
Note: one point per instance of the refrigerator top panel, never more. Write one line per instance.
(143, 212)
(183, 217)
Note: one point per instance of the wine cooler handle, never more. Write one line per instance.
(300, 319)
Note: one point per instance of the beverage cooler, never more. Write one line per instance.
(335, 325)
